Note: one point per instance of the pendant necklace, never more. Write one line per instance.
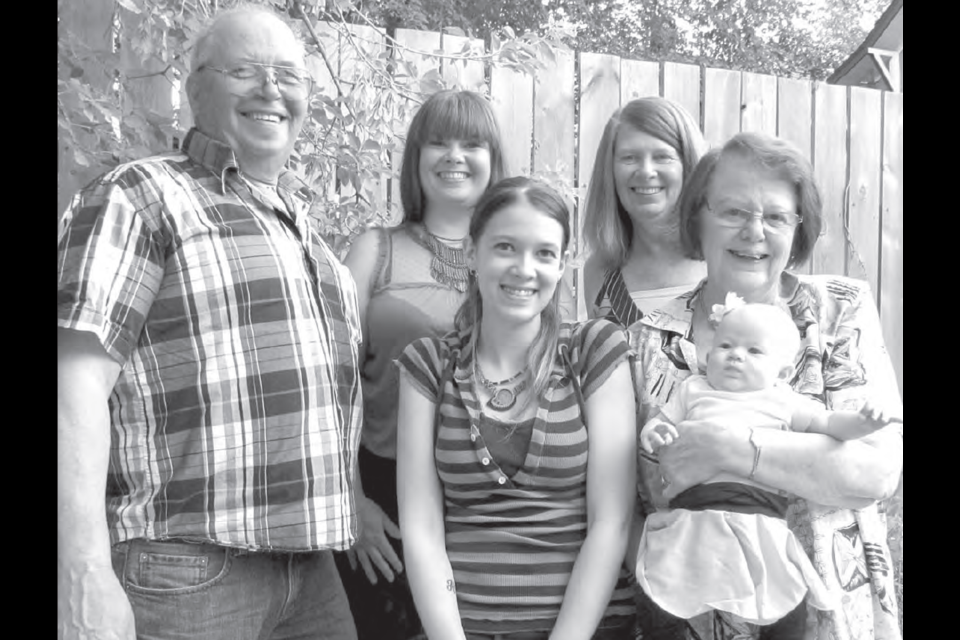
(448, 265)
(503, 397)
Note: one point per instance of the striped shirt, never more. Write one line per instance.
(236, 416)
(512, 541)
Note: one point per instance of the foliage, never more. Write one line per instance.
(368, 86)
(788, 38)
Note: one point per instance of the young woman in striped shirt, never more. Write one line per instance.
(514, 512)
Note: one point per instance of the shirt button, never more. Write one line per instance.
(485, 461)
(502, 480)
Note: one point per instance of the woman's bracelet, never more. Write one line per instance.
(756, 455)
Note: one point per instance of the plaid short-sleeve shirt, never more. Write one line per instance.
(236, 416)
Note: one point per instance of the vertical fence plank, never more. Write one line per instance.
(721, 105)
(759, 103)
(681, 83)
(89, 22)
(458, 74)
(511, 94)
(795, 123)
(599, 98)
(891, 275)
(638, 79)
(795, 113)
(553, 149)
(553, 126)
(413, 47)
(417, 48)
(830, 170)
(863, 196)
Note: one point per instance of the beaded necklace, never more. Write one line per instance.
(448, 265)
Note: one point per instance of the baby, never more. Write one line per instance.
(725, 545)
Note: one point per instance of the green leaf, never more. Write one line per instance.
(80, 157)
(129, 5)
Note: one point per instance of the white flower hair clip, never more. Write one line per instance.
(731, 302)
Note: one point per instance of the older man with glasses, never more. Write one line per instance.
(208, 395)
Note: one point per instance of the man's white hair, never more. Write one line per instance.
(208, 33)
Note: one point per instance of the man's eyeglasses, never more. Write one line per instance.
(292, 82)
(774, 221)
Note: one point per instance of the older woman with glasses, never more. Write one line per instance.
(751, 211)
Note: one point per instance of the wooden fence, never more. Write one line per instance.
(552, 123)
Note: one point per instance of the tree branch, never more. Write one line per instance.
(153, 75)
(323, 54)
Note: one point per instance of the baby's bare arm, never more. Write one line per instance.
(851, 425)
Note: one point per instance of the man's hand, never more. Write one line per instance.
(373, 549)
(91, 605)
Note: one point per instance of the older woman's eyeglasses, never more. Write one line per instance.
(774, 221)
(292, 82)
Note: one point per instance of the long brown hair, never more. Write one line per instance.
(541, 354)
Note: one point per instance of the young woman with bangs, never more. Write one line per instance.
(411, 279)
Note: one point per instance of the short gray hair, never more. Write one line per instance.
(209, 30)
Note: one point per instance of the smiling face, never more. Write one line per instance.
(454, 172)
(749, 352)
(519, 259)
(255, 120)
(648, 174)
(748, 260)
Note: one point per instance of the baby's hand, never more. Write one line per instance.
(877, 417)
(656, 434)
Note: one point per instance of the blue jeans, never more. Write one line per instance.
(182, 590)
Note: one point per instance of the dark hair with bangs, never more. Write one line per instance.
(447, 115)
(543, 198)
(767, 153)
(608, 230)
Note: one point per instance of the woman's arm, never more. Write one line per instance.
(611, 481)
(362, 261)
(816, 467)
(420, 498)
(373, 548)
(850, 474)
